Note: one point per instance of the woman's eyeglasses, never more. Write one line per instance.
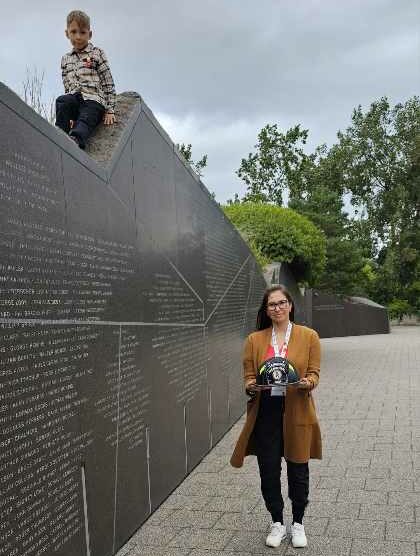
(279, 305)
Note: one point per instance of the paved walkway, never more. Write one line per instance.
(365, 493)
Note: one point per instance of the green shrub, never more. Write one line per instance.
(281, 234)
(398, 308)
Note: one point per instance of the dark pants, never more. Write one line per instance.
(86, 115)
(268, 434)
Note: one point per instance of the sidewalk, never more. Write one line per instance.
(365, 493)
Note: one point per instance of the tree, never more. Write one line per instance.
(33, 94)
(323, 204)
(280, 234)
(199, 165)
(398, 308)
(314, 186)
(234, 201)
(380, 153)
(278, 164)
(376, 164)
(398, 271)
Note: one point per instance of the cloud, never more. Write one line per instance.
(224, 143)
(216, 71)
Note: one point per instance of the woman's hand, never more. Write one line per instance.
(250, 391)
(304, 384)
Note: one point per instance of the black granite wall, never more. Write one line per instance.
(333, 316)
(330, 315)
(125, 296)
(280, 273)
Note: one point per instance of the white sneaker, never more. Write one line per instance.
(299, 539)
(276, 535)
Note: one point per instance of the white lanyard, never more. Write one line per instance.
(275, 344)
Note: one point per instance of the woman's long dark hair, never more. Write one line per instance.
(263, 320)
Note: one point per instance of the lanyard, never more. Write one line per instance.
(275, 344)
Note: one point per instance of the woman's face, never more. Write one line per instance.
(278, 307)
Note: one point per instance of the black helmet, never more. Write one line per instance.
(276, 370)
(273, 371)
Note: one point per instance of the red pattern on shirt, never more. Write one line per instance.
(270, 352)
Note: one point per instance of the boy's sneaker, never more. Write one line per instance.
(299, 539)
(276, 535)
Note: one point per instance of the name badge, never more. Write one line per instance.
(279, 390)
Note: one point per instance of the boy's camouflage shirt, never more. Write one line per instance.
(88, 72)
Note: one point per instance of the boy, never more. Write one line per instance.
(88, 83)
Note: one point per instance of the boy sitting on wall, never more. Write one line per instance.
(88, 83)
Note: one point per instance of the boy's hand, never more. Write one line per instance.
(109, 118)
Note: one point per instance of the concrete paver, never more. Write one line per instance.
(365, 493)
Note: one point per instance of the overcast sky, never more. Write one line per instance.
(215, 72)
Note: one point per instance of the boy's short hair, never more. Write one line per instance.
(80, 17)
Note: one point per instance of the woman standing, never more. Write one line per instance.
(278, 426)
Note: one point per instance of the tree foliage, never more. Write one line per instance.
(374, 170)
(277, 165)
(280, 234)
(398, 308)
(199, 165)
(379, 154)
(381, 169)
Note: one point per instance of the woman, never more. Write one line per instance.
(278, 426)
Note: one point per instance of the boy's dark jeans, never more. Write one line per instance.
(86, 115)
(268, 434)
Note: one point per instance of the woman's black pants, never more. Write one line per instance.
(268, 434)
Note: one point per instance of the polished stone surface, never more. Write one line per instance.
(368, 406)
(125, 298)
(333, 315)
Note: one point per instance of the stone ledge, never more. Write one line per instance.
(105, 139)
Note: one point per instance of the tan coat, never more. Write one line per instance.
(301, 433)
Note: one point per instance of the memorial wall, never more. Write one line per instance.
(125, 296)
(333, 315)
(330, 315)
(280, 273)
